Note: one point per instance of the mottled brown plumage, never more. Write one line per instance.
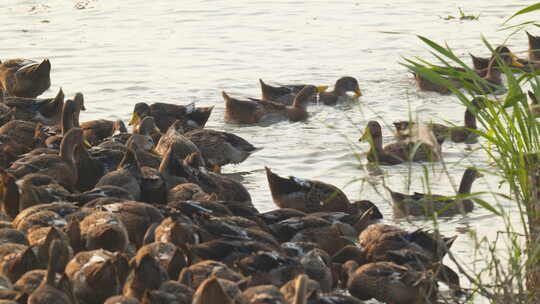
(306, 195)
(24, 77)
(253, 111)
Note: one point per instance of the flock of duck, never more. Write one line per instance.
(94, 214)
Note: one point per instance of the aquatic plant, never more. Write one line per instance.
(462, 16)
(512, 141)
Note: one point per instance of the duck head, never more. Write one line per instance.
(347, 84)
(140, 111)
(32, 79)
(304, 96)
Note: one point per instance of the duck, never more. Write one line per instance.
(25, 78)
(95, 131)
(170, 257)
(69, 119)
(306, 195)
(425, 204)
(48, 111)
(400, 151)
(215, 290)
(225, 188)
(392, 283)
(97, 275)
(61, 167)
(457, 134)
(491, 75)
(104, 230)
(165, 114)
(285, 93)
(146, 274)
(341, 87)
(147, 127)
(16, 260)
(195, 274)
(144, 147)
(10, 194)
(182, 145)
(50, 291)
(220, 148)
(253, 111)
(137, 217)
(534, 47)
(128, 175)
(418, 250)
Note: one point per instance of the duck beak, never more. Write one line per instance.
(515, 62)
(357, 92)
(365, 136)
(321, 89)
(134, 119)
(153, 151)
(87, 144)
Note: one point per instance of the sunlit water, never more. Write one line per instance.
(119, 53)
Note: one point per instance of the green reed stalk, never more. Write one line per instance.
(512, 135)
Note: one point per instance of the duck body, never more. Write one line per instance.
(47, 111)
(165, 114)
(25, 78)
(220, 148)
(61, 167)
(391, 283)
(284, 94)
(254, 111)
(306, 195)
(95, 131)
(424, 148)
(422, 204)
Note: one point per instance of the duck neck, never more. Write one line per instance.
(470, 120)
(68, 114)
(493, 74)
(466, 184)
(10, 196)
(67, 151)
(376, 143)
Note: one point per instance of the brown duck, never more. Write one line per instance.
(342, 86)
(391, 283)
(95, 131)
(50, 291)
(47, 111)
(285, 93)
(61, 167)
(397, 152)
(425, 204)
(253, 111)
(165, 114)
(457, 134)
(306, 195)
(220, 148)
(25, 78)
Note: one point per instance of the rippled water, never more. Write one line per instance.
(119, 53)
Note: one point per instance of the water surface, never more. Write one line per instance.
(119, 53)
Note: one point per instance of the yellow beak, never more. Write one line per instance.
(516, 63)
(87, 144)
(321, 89)
(134, 119)
(153, 151)
(357, 92)
(365, 136)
